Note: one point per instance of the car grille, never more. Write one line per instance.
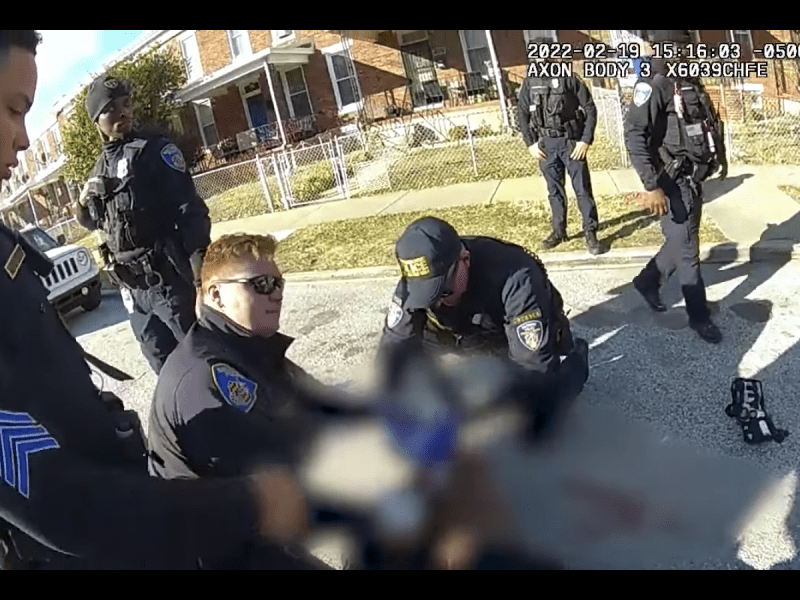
(62, 270)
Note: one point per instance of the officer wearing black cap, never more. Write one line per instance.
(674, 142)
(557, 118)
(482, 294)
(156, 227)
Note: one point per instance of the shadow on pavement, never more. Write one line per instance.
(715, 188)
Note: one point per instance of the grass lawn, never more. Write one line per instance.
(793, 191)
(369, 242)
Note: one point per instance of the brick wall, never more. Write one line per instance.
(259, 39)
(215, 51)
(229, 113)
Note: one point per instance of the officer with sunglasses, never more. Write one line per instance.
(480, 294)
(228, 397)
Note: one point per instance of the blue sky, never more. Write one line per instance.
(65, 60)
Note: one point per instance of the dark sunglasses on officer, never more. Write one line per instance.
(449, 286)
(262, 285)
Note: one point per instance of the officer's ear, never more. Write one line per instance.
(213, 296)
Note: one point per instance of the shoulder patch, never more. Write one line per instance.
(20, 436)
(173, 157)
(534, 314)
(395, 315)
(530, 335)
(14, 262)
(238, 390)
(641, 93)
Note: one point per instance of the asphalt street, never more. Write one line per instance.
(650, 366)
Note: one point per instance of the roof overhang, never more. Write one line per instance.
(215, 83)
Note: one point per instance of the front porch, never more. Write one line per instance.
(252, 106)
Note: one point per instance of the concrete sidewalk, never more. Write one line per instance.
(748, 207)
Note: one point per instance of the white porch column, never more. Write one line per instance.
(275, 101)
(498, 77)
(33, 208)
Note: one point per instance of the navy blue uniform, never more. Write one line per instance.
(510, 308)
(548, 112)
(71, 495)
(157, 230)
(660, 148)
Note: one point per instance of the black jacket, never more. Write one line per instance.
(66, 480)
(509, 303)
(227, 400)
(153, 171)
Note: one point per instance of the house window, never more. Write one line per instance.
(532, 34)
(191, 57)
(294, 85)
(282, 35)
(343, 78)
(240, 43)
(745, 41)
(208, 127)
(476, 50)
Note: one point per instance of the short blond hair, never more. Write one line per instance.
(230, 251)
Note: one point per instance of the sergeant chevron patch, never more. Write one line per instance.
(20, 436)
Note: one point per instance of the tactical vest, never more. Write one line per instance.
(132, 220)
(552, 107)
(692, 134)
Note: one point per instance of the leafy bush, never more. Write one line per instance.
(457, 132)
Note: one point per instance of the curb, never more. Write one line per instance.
(724, 253)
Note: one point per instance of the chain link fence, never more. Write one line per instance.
(445, 148)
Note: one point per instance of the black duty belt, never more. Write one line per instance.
(547, 132)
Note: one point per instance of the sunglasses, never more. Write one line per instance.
(263, 285)
(451, 283)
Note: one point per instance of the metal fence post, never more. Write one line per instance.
(472, 147)
(264, 187)
(345, 177)
(281, 183)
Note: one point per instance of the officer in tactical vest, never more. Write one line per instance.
(674, 139)
(557, 118)
(156, 227)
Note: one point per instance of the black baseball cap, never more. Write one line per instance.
(426, 251)
(102, 91)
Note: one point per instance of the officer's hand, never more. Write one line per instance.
(579, 153)
(536, 152)
(283, 513)
(654, 201)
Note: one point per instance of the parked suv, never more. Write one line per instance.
(75, 279)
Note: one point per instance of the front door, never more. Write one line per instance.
(421, 72)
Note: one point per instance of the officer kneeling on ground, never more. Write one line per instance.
(484, 295)
(673, 137)
(557, 118)
(72, 493)
(156, 227)
(228, 397)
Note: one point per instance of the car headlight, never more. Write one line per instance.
(83, 258)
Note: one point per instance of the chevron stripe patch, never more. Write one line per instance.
(20, 436)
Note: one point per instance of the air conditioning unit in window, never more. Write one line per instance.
(246, 140)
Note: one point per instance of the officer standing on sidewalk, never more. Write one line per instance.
(673, 139)
(557, 118)
(156, 226)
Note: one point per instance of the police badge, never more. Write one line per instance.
(236, 389)
(530, 335)
(173, 157)
(122, 169)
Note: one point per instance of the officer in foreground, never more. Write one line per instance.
(73, 493)
(673, 139)
(557, 119)
(479, 294)
(156, 227)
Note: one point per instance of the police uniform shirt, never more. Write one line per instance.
(652, 123)
(154, 171)
(508, 299)
(65, 480)
(562, 85)
(227, 399)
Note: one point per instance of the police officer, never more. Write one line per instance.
(674, 144)
(73, 493)
(156, 227)
(557, 118)
(479, 294)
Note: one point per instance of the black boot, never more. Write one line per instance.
(592, 243)
(649, 293)
(554, 240)
(707, 331)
